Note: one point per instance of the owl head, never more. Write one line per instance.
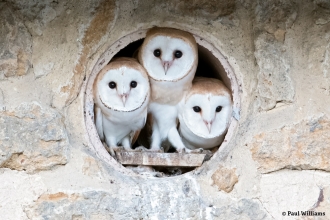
(122, 86)
(168, 54)
(207, 108)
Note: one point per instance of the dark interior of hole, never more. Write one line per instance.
(129, 50)
(206, 68)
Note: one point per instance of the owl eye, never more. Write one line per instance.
(133, 84)
(112, 85)
(197, 109)
(157, 53)
(178, 54)
(218, 109)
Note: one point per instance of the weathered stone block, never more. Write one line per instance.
(207, 9)
(301, 146)
(137, 202)
(241, 209)
(295, 191)
(17, 190)
(160, 159)
(225, 179)
(15, 44)
(32, 138)
(322, 3)
(274, 80)
(271, 15)
(2, 101)
(174, 199)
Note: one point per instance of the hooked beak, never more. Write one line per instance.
(166, 65)
(208, 125)
(124, 98)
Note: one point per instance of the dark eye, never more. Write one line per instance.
(133, 84)
(178, 54)
(112, 85)
(157, 53)
(196, 108)
(218, 109)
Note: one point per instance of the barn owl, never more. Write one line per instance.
(170, 57)
(204, 113)
(121, 97)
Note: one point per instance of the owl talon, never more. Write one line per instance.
(157, 150)
(183, 151)
(112, 150)
(199, 150)
(140, 149)
(127, 149)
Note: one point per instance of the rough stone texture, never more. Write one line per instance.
(160, 159)
(225, 179)
(274, 77)
(322, 3)
(275, 15)
(242, 209)
(18, 188)
(143, 203)
(274, 82)
(74, 39)
(68, 34)
(32, 138)
(15, 44)
(302, 146)
(2, 101)
(207, 9)
(148, 201)
(280, 192)
(283, 123)
(94, 34)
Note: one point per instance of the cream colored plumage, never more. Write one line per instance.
(204, 114)
(121, 97)
(170, 57)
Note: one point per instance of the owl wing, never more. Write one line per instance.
(145, 134)
(135, 135)
(99, 122)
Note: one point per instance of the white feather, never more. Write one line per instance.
(206, 128)
(98, 122)
(170, 76)
(164, 125)
(117, 118)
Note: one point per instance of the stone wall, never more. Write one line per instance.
(277, 160)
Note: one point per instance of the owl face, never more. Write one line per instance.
(168, 54)
(123, 85)
(207, 108)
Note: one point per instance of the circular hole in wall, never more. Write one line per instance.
(211, 63)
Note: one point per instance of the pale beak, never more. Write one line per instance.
(166, 65)
(124, 98)
(208, 125)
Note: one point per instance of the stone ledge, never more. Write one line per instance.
(160, 159)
